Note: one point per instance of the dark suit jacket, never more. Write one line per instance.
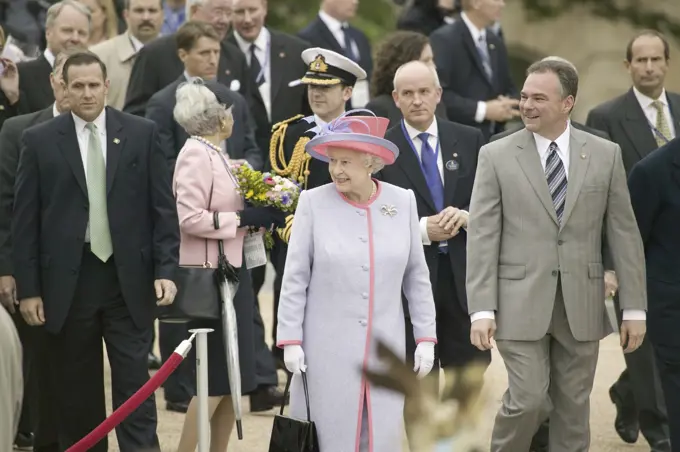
(462, 75)
(241, 144)
(157, 65)
(286, 102)
(51, 214)
(576, 125)
(10, 144)
(34, 84)
(421, 19)
(385, 107)
(654, 185)
(624, 121)
(318, 35)
(406, 172)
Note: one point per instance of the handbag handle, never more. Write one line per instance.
(286, 394)
(206, 262)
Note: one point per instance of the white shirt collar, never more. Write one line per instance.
(562, 142)
(55, 112)
(100, 122)
(49, 56)
(433, 130)
(260, 42)
(646, 101)
(136, 43)
(474, 31)
(332, 23)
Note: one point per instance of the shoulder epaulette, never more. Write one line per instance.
(285, 122)
(297, 168)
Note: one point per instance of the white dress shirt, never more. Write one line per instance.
(476, 33)
(49, 56)
(263, 55)
(55, 112)
(651, 112)
(136, 43)
(542, 145)
(335, 26)
(84, 141)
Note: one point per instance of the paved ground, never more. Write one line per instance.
(257, 428)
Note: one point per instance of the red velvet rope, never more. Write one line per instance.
(129, 406)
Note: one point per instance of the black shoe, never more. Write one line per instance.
(154, 362)
(266, 398)
(626, 422)
(23, 441)
(178, 407)
(540, 441)
(661, 446)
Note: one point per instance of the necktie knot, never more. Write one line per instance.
(658, 105)
(91, 127)
(424, 136)
(253, 47)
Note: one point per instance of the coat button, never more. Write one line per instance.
(364, 295)
(363, 239)
(365, 267)
(560, 242)
(554, 272)
(363, 322)
(361, 213)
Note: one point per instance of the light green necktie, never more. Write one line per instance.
(661, 124)
(100, 235)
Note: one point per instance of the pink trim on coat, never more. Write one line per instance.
(426, 339)
(282, 344)
(365, 389)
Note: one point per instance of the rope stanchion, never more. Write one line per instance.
(133, 402)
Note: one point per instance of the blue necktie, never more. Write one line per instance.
(428, 159)
(347, 44)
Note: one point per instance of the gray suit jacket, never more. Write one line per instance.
(517, 252)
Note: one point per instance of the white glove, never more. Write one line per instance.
(423, 358)
(294, 358)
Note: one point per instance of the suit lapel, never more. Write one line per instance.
(408, 162)
(68, 144)
(447, 147)
(674, 106)
(115, 141)
(46, 86)
(530, 162)
(329, 37)
(579, 159)
(278, 57)
(676, 163)
(637, 127)
(471, 47)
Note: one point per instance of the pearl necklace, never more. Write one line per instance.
(207, 143)
(374, 191)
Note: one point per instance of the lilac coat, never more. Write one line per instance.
(346, 267)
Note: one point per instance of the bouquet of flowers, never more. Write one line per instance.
(266, 189)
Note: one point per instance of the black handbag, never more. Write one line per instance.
(294, 435)
(198, 293)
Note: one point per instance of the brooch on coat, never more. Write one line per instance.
(388, 210)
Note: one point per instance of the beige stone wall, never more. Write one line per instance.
(595, 46)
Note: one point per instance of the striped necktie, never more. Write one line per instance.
(662, 126)
(557, 180)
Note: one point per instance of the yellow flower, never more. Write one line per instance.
(249, 194)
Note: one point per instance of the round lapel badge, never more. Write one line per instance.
(452, 165)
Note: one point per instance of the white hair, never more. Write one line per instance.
(432, 70)
(198, 111)
(561, 60)
(374, 163)
(54, 11)
(190, 4)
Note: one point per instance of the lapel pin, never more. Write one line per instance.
(452, 165)
(116, 140)
(583, 156)
(282, 55)
(492, 46)
(455, 154)
(388, 210)
(235, 85)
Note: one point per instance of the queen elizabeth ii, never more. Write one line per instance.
(355, 245)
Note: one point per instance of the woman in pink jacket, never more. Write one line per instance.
(203, 184)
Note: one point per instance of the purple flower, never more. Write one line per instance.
(285, 199)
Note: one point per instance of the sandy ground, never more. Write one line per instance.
(257, 428)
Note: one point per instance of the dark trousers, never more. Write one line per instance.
(180, 386)
(37, 415)
(99, 311)
(265, 367)
(639, 386)
(278, 257)
(668, 360)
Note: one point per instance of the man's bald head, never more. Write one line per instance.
(417, 92)
(416, 68)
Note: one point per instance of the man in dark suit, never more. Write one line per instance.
(473, 68)
(654, 185)
(67, 25)
(37, 425)
(193, 40)
(99, 179)
(276, 64)
(331, 30)
(157, 64)
(437, 160)
(639, 121)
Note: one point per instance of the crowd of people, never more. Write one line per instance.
(444, 211)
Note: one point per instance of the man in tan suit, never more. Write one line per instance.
(144, 19)
(543, 200)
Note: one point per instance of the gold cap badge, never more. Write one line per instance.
(319, 64)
